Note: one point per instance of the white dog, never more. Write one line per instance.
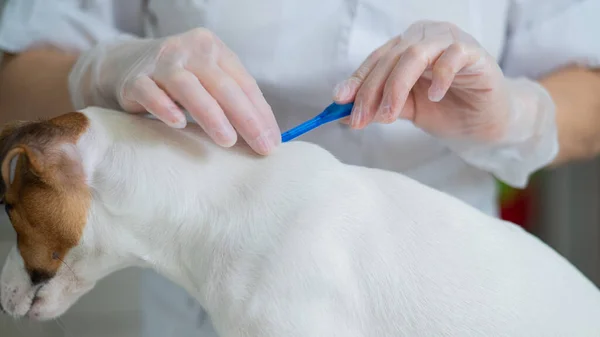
(293, 244)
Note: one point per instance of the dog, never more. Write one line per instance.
(291, 244)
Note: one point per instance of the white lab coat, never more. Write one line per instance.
(298, 50)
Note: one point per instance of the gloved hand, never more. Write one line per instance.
(440, 78)
(194, 69)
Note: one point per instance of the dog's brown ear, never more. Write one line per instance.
(14, 141)
(38, 144)
(32, 156)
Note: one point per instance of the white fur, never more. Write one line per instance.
(299, 244)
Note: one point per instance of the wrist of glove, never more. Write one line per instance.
(90, 84)
(527, 142)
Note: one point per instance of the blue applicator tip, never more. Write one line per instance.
(331, 113)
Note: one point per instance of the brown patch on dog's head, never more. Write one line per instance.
(46, 197)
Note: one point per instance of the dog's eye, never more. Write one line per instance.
(8, 208)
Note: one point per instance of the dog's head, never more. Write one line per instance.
(47, 199)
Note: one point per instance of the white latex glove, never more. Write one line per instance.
(441, 79)
(194, 69)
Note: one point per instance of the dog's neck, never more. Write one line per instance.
(185, 207)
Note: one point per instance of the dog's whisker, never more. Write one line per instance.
(20, 328)
(62, 326)
(68, 267)
(31, 325)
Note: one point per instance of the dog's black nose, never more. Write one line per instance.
(39, 276)
(1, 307)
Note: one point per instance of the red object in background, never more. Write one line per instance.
(518, 208)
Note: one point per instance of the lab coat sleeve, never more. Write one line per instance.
(545, 35)
(74, 25)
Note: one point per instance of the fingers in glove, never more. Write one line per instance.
(368, 98)
(345, 91)
(186, 89)
(239, 109)
(452, 61)
(234, 68)
(413, 62)
(145, 92)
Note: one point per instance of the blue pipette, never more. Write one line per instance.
(331, 113)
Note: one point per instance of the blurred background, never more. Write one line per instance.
(560, 206)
